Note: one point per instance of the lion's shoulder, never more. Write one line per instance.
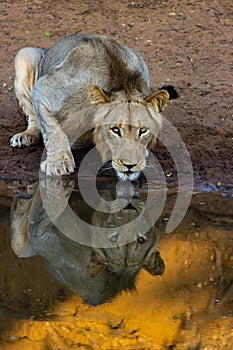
(60, 50)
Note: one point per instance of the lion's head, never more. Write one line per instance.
(126, 130)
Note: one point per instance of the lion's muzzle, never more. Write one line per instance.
(128, 170)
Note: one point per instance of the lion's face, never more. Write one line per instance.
(125, 131)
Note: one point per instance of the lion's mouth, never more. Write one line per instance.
(128, 175)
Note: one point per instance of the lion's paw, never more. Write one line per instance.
(138, 204)
(118, 205)
(61, 164)
(26, 138)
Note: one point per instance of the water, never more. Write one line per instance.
(159, 291)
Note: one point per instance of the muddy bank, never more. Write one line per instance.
(188, 45)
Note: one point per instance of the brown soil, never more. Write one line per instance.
(187, 44)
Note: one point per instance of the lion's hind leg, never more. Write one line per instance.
(27, 63)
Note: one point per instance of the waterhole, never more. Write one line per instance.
(158, 291)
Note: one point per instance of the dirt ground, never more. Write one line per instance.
(185, 43)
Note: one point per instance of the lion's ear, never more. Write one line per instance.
(158, 99)
(155, 265)
(98, 95)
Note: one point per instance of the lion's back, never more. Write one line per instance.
(60, 50)
(75, 63)
(93, 59)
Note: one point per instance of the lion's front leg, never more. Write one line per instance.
(59, 159)
(27, 63)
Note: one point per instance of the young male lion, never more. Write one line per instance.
(91, 89)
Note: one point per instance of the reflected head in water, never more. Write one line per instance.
(96, 274)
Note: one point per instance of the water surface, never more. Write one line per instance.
(158, 291)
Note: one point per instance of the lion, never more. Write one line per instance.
(96, 274)
(88, 89)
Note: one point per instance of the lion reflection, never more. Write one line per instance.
(96, 274)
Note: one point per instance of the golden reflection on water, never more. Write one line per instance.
(188, 307)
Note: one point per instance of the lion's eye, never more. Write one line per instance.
(116, 130)
(142, 131)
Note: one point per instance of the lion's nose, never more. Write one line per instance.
(129, 166)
